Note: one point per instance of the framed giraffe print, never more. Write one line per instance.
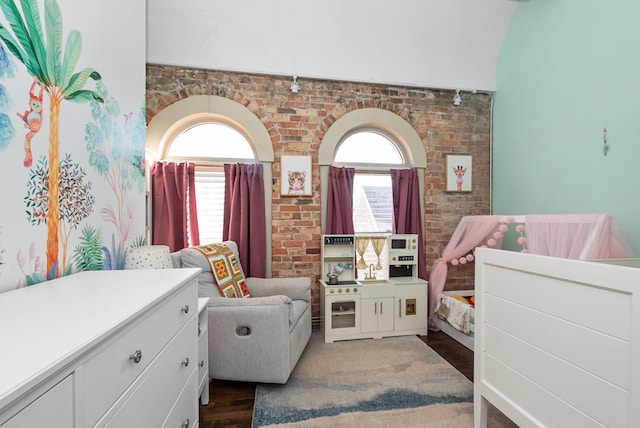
(459, 173)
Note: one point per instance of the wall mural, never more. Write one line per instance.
(71, 158)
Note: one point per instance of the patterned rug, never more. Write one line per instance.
(391, 382)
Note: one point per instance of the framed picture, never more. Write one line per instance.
(296, 176)
(459, 173)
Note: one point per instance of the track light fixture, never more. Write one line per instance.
(294, 85)
(457, 99)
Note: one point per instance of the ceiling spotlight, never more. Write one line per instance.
(457, 99)
(294, 86)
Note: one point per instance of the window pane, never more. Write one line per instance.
(368, 147)
(372, 203)
(210, 203)
(211, 140)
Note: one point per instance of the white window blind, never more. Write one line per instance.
(210, 203)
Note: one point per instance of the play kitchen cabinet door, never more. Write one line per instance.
(411, 307)
(376, 314)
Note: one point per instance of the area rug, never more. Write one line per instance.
(392, 382)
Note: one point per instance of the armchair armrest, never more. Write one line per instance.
(294, 288)
(268, 306)
(251, 301)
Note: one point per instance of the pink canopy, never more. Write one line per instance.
(575, 236)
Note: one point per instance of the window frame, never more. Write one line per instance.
(368, 166)
(199, 108)
(385, 122)
(207, 164)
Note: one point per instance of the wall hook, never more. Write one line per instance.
(605, 146)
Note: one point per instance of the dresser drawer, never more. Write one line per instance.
(202, 324)
(154, 394)
(203, 361)
(185, 412)
(54, 408)
(110, 372)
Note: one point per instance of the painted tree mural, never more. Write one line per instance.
(76, 201)
(115, 143)
(51, 64)
(7, 131)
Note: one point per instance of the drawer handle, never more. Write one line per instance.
(185, 424)
(136, 356)
(185, 309)
(201, 363)
(185, 362)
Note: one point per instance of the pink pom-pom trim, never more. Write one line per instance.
(519, 228)
(522, 240)
(509, 220)
(470, 257)
(491, 242)
(454, 262)
(497, 235)
(503, 228)
(463, 261)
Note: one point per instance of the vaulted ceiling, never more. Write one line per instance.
(451, 44)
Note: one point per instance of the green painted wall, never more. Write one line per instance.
(568, 69)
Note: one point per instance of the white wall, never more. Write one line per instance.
(113, 41)
(446, 44)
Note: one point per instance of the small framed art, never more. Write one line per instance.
(459, 173)
(296, 176)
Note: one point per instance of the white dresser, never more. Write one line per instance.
(203, 350)
(103, 348)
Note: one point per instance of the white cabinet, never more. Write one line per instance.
(373, 310)
(337, 253)
(411, 301)
(102, 348)
(203, 350)
(376, 315)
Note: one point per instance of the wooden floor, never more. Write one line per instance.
(231, 403)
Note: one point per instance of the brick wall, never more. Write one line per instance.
(297, 124)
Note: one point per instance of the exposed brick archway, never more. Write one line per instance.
(297, 124)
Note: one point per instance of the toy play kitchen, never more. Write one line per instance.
(370, 288)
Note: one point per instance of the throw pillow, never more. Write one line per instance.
(226, 270)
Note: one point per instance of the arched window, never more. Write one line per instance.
(372, 154)
(210, 145)
(372, 141)
(208, 141)
(211, 131)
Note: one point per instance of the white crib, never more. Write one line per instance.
(557, 340)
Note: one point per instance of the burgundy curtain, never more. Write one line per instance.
(244, 216)
(405, 191)
(339, 218)
(173, 199)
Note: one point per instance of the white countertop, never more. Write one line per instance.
(46, 326)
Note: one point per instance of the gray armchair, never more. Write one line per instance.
(259, 338)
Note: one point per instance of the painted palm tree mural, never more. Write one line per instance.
(52, 64)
